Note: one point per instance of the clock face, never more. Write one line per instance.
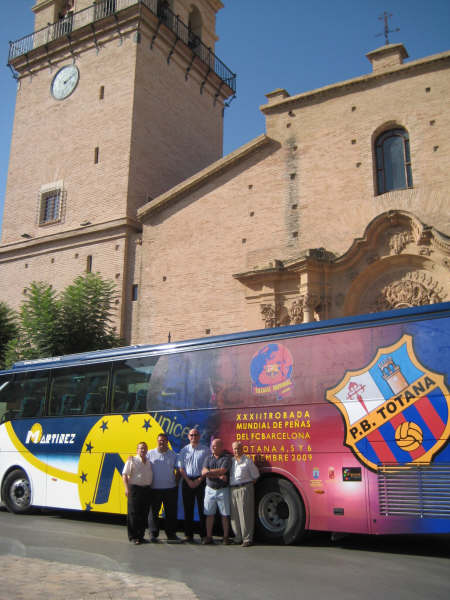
(64, 82)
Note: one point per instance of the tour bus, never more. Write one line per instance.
(347, 420)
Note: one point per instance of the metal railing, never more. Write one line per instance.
(104, 8)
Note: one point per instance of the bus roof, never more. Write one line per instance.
(316, 327)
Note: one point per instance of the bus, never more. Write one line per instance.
(347, 420)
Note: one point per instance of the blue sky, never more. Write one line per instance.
(298, 45)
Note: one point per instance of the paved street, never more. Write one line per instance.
(71, 556)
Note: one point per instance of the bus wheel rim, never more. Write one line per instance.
(20, 492)
(269, 512)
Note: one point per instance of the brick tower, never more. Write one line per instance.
(117, 102)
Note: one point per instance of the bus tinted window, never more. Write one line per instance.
(131, 385)
(79, 390)
(6, 405)
(23, 395)
(167, 382)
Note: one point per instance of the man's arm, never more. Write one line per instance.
(205, 469)
(125, 483)
(177, 475)
(126, 474)
(192, 483)
(214, 473)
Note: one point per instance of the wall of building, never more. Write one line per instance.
(59, 263)
(334, 164)
(310, 186)
(192, 249)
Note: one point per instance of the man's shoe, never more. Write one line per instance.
(246, 544)
(227, 542)
(174, 539)
(154, 539)
(189, 539)
(207, 540)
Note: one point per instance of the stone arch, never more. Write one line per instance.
(385, 126)
(395, 282)
(195, 22)
(399, 262)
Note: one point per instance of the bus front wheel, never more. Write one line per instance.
(280, 514)
(17, 492)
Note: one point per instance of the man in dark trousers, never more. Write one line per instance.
(164, 489)
(190, 462)
(137, 477)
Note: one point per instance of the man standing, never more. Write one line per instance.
(137, 477)
(190, 462)
(164, 489)
(217, 492)
(243, 475)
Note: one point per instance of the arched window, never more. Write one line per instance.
(195, 28)
(393, 161)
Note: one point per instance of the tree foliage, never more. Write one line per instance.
(78, 319)
(86, 310)
(8, 329)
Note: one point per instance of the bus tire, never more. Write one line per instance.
(280, 513)
(16, 492)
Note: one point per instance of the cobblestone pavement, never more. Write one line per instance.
(23, 578)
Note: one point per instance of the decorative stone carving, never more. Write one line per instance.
(310, 301)
(399, 240)
(268, 314)
(414, 289)
(296, 312)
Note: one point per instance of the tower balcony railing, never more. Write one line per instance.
(104, 8)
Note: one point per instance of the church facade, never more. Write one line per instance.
(340, 208)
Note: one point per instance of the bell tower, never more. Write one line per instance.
(117, 102)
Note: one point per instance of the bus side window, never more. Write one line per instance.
(70, 405)
(28, 394)
(94, 404)
(31, 407)
(79, 390)
(130, 385)
(8, 403)
(141, 401)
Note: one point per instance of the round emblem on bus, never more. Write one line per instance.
(106, 448)
(271, 370)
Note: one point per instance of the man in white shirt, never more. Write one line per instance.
(190, 461)
(137, 477)
(243, 475)
(164, 489)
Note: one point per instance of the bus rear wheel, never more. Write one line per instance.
(17, 492)
(280, 514)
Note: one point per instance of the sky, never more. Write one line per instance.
(298, 45)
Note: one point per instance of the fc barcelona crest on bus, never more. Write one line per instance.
(395, 410)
